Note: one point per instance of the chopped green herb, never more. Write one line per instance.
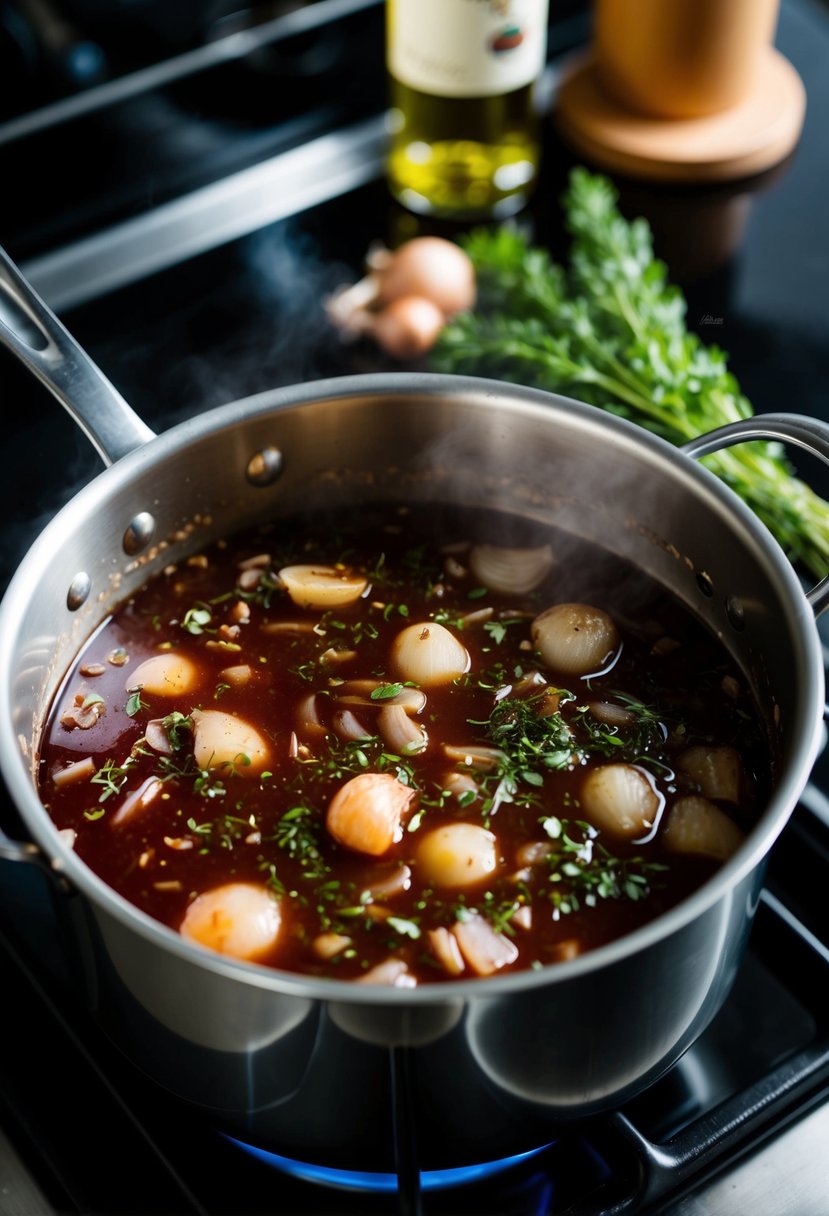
(385, 692)
(610, 329)
(582, 870)
(134, 703)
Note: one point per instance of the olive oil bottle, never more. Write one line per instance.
(464, 124)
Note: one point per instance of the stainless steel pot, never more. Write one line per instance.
(302, 1066)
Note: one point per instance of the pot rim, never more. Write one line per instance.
(489, 393)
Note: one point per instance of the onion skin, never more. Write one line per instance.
(575, 639)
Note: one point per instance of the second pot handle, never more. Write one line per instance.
(800, 430)
(32, 332)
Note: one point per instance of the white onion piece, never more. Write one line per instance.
(399, 732)
(428, 654)
(610, 713)
(457, 855)
(138, 800)
(446, 950)
(80, 770)
(329, 945)
(393, 882)
(461, 785)
(358, 692)
(484, 950)
(694, 825)
(239, 919)
(364, 815)
(238, 675)
(393, 972)
(575, 639)
(157, 738)
(308, 721)
(348, 726)
(473, 757)
(222, 740)
(68, 836)
(533, 852)
(620, 799)
(164, 675)
(510, 571)
(322, 586)
(718, 771)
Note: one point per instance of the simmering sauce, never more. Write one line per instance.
(412, 746)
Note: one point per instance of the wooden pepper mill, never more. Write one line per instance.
(682, 90)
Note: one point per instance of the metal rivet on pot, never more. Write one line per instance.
(139, 533)
(705, 583)
(79, 590)
(735, 612)
(265, 467)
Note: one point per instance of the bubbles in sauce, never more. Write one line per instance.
(438, 746)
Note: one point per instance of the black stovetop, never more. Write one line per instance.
(245, 314)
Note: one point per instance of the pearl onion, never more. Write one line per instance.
(575, 639)
(457, 855)
(428, 654)
(238, 919)
(164, 675)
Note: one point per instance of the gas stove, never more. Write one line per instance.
(188, 183)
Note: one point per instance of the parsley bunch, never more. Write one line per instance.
(610, 329)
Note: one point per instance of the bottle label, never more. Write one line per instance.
(466, 48)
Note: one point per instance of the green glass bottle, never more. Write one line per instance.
(464, 124)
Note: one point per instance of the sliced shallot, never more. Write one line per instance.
(696, 826)
(484, 950)
(510, 571)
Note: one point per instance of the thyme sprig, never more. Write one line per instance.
(611, 330)
(582, 870)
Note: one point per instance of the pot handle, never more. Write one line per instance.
(798, 429)
(32, 332)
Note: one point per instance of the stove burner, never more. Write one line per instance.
(361, 1180)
